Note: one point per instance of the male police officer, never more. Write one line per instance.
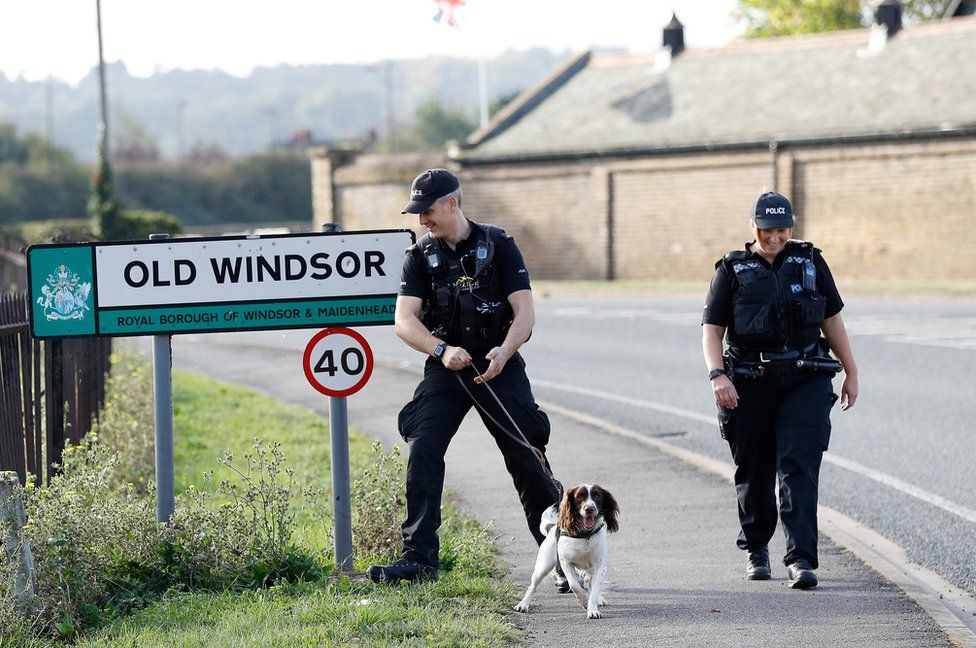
(464, 301)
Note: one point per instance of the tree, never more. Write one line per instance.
(765, 18)
(133, 142)
(502, 101)
(102, 206)
(435, 126)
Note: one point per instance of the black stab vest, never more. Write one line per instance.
(466, 305)
(771, 309)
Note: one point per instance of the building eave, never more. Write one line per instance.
(967, 130)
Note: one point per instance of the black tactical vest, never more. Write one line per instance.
(775, 310)
(466, 305)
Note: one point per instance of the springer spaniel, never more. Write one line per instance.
(576, 535)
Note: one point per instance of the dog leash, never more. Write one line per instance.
(520, 439)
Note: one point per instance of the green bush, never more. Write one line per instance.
(136, 224)
(36, 232)
(99, 551)
(246, 542)
(84, 530)
(125, 424)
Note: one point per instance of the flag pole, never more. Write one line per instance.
(483, 89)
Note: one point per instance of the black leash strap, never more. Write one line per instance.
(520, 439)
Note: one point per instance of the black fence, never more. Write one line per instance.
(50, 391)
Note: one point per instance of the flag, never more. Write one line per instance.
(448, 11)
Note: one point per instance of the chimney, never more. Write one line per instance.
(674, 35)
(888, 15)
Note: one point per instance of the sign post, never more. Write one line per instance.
(162, 357)
(338, 362)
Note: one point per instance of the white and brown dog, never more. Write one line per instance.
(576, 535)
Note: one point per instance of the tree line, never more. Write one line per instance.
(40, 182)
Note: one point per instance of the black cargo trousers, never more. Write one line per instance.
(779, 431)
(428, 423)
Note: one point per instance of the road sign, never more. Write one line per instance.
(338, 362)
(232, 283)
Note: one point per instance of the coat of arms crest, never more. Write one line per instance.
(65, 296)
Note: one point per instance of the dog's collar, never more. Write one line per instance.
(582, 536)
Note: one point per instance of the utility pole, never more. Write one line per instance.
(49, 109)
(391, 135)
(102, 110)
(102, 205)
(181, 131)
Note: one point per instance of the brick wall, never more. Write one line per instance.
(674, 218)
(901, 210)
(557, 215)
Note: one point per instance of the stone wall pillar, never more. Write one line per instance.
(325, 160)
(15, 546)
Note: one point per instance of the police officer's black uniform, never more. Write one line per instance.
(781, 426)
(474, 315)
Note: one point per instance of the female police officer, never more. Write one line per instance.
(773, 385)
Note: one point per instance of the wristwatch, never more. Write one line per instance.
(715, 373)
(439, 351)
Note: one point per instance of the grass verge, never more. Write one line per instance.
(467, 606)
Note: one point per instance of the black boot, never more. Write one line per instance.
(562, 584)
(801, 575)
(758, 567)
(401, 570)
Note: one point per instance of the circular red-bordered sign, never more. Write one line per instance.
(337, 361)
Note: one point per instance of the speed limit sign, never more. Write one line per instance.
(338, 362)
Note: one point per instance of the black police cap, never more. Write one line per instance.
(772, 210)
(428, 187)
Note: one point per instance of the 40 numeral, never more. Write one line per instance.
(352, 362)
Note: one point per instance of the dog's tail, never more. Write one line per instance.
(549, 519)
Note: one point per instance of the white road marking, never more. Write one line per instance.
(832, 458)
(945, 332)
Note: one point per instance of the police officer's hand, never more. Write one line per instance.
(725, 394)
(497, 358)
(848, 392)
(455, 358)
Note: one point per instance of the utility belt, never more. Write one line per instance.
(762, 364)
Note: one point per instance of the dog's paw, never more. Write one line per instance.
(522, 607)
(594, 614)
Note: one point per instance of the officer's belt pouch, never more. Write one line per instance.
(810, 308)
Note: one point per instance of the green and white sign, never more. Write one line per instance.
(233, 283)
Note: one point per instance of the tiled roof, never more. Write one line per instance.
(784, 89)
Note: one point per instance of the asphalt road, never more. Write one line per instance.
(900, 462)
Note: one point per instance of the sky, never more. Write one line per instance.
(58, 38)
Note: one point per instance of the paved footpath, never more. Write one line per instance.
(675, 577)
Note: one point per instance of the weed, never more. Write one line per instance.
(377, 496)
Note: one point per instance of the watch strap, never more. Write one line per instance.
(715, 373)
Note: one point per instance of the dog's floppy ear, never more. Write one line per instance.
(567, 512)
(609, 509)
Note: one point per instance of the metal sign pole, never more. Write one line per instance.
(341, 504)
(163, 420)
